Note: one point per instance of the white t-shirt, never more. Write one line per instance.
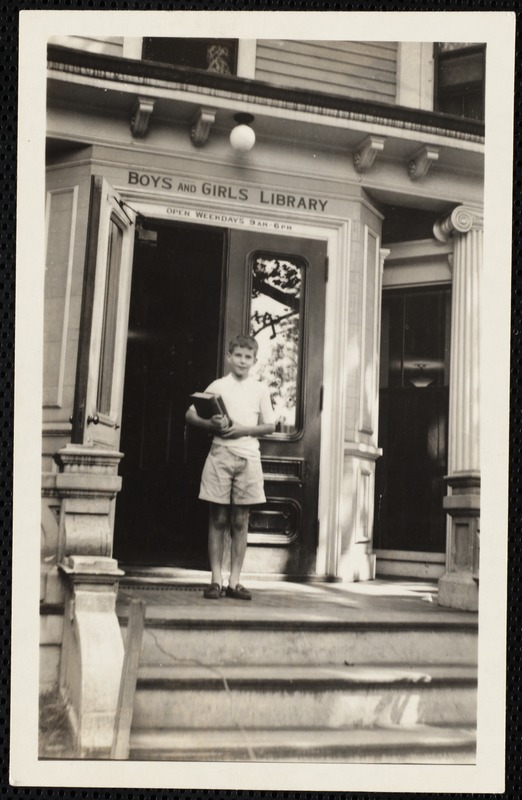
(248, 403)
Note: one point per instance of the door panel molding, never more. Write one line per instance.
(276, 525)
(279, 468)
(61, 252)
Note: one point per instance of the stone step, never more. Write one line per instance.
(377, 622)
(254, 643)
(402, 745)
(282, 696)
(306, 641)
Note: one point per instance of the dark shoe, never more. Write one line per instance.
(239, 593)
(213, 592)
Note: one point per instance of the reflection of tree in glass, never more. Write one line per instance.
(280, 280)
(276, 287)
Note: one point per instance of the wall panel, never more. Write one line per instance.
(366, 70)
(61, 222)
(109, 45)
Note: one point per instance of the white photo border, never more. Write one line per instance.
(487, 775)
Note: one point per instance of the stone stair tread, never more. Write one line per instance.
(382, 605)
(313, 675)
(245, 616)
(266, 642)
(290, 742)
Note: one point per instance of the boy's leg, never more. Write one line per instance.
(219, 521)
(239, 531)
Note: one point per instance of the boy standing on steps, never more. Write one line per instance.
(232, 478)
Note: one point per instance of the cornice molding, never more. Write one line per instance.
(117, 69)
(462, 219)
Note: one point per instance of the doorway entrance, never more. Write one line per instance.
(413, 421)
(193, 289)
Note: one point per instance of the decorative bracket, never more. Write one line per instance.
(364, 157)
(420, 163)
(141, 112)
(383, 254)
(200, 130)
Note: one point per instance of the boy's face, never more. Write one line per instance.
(240, 361)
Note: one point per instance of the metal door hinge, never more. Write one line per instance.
(326, 268)
(122, 205)
(321, 397)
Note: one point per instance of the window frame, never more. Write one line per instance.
(439, 58)
(233, 44)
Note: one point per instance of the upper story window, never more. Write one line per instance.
(460, 70)
(212, 55)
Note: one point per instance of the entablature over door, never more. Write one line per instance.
(111, 84)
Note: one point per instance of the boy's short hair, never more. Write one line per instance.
(243, 340)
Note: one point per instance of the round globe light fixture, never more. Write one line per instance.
(243, 137)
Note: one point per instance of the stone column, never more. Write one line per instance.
(458, 587)
(92, 647)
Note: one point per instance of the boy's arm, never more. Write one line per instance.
(235, 430)
(263, 428)
(215, 424)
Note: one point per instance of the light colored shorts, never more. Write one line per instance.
(228, 479)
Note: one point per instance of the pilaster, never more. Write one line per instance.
(355, 559)
(458, 587)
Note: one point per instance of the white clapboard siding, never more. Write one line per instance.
(110, 45)
(366, 70)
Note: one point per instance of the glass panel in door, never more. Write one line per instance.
(276, 322)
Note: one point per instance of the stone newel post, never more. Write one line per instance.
(92, 648)
(458, 587)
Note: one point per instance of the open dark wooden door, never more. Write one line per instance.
(173, 344)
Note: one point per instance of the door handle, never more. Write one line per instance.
(94, 419)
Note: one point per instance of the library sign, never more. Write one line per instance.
(225, 191)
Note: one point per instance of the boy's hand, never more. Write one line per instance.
(234, 431)
(219, 422)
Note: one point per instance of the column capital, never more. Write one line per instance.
(461, 220)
